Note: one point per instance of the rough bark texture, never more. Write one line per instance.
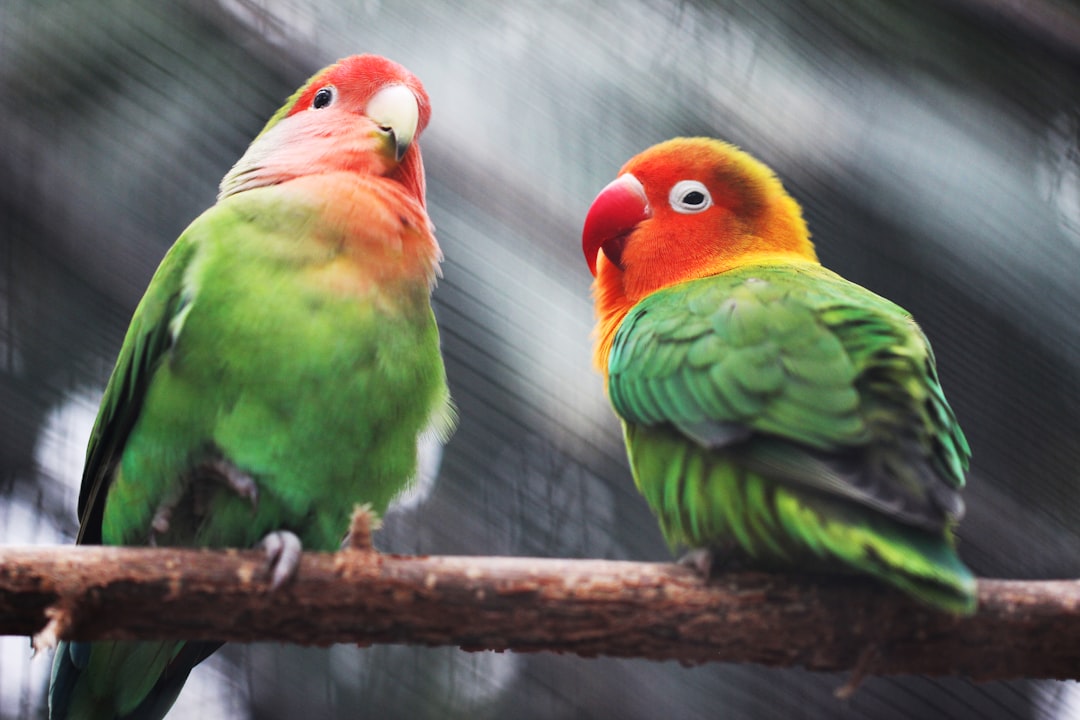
(588, 607)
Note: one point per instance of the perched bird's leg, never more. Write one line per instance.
(162, 519)
(237, 480)
(283, 550)
(216, 470)
(712, 560)
(700, 560)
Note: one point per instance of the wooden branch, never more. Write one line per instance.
(587, 607)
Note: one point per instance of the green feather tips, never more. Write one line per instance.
(796, 418)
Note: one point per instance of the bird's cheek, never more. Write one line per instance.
(364, 149)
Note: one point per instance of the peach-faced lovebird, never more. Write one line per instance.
(772, 410)
(279, 369)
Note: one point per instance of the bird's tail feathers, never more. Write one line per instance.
(923, 564)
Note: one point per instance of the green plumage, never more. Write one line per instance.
(256, 345)
(280, 369)
(240, 352)
(796, 417)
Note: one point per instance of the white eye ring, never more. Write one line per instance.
(689, 196)
(324, 97)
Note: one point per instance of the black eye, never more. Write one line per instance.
(689, 196)
(324, 97)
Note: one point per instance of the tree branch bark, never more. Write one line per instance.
(587, 607)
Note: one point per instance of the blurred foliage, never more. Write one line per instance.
(934, 146)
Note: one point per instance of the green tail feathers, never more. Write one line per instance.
(922, 564)
(704, 501)
(120, 680)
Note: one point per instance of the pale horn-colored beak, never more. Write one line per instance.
(395, 110)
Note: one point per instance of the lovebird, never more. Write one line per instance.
(280, 368)
(775, 415)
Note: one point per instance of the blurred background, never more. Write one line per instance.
(935, 148)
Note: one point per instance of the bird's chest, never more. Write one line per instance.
(317, 333)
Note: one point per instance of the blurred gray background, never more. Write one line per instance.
(934, 147)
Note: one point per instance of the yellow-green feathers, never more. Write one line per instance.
(795, 417)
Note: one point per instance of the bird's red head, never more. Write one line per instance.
(362, 114)
(357, 79)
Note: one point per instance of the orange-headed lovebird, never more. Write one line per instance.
(772, 410)
(279, 369)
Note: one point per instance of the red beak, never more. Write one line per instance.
(614, 214)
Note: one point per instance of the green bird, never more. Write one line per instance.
(280, 368)
(772, 410)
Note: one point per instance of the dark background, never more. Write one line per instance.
(934, 147)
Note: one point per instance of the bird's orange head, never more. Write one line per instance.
(685, 209)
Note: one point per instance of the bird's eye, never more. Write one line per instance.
(689, 196)
(324, 97)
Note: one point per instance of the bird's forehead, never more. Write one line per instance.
(658, 173)
(671, 163)
(659, 169)
(358, 78)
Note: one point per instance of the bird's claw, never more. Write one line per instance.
(160, 524)
(163, 513)
(283, 551)
(238, 481)
(194, 486)
(701, 560)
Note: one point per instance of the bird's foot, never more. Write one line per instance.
(700, 560)
(235, 479)
(708, 562)
(163, 513)
(195, 494)
(283, 551)
(160, 524)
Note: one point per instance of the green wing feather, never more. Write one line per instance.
(139, 677)
(148, 338)
(799, 417)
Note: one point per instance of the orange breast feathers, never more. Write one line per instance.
(380, 235)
